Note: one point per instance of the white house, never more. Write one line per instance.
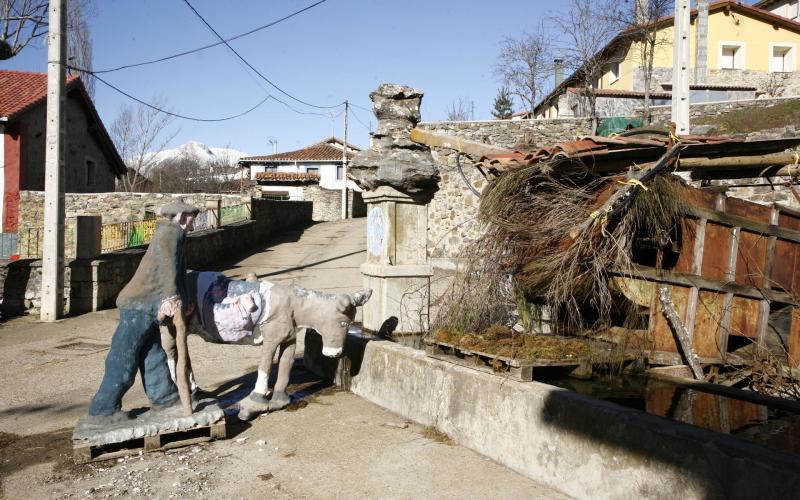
(283, 175)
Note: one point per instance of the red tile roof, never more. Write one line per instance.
(321, 151)
(633, 94)
(287, 176)
(22, 90)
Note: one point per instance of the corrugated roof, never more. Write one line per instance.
(22, 90)
(287, 177)
(326, 150)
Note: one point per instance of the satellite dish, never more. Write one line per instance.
(5, 50)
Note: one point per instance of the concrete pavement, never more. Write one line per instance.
(330, 444)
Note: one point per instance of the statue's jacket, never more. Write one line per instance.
(161, 273)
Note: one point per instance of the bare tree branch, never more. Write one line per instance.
(23, 21)
(524, 65)
(461, 110)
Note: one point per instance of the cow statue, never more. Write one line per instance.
(256, 312)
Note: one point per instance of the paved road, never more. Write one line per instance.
(333, 444)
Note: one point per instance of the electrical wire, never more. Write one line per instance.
(204, 47)
(177, 115)
(361, 107)
(253, 68)
(355, 115)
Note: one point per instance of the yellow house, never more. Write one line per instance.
(749, 51)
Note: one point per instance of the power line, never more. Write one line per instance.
(355, 115)
(170, 113)
(361, 108)
(204, 47)
(251, 66)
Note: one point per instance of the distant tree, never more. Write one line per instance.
(187, 174)
(79, 42)
(140, 133)
(587, 29)
(637, 19)
(461, 110)
(525, 65)
(503, 105)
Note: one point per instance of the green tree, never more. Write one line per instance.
(503, 105)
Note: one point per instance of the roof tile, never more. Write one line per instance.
(321, 151)
(22, 90)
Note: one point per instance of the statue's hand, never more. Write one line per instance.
(170, 307)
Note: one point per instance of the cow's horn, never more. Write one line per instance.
(360, 298)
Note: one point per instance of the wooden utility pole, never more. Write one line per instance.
(680, 68)
(53, 252)
(344, 162)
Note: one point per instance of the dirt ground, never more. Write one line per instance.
(326, 444)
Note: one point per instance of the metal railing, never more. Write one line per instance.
(128, 234)
(30, 243)
(233, 213)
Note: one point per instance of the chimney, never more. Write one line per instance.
(701, 42)
(641, 11)
(558, 70)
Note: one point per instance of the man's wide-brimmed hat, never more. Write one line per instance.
(177, 206)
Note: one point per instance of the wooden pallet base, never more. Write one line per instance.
(84, 453)
(516, 369)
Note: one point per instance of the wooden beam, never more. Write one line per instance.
(690, 280)
(743, 222)
(471, 148)
(681, 334)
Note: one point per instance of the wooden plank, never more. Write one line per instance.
(751, 261)
(749, 210)
(694, 292)
(742, 222)
(688, 280)
(763, 315)
(680, 331)
(744, 317)
(794, 339)
(472, 148)
(782, 276)
(715, 258)
(661, 332)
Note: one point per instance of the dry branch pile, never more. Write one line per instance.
(550, 246)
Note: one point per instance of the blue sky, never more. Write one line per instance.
(339, 49)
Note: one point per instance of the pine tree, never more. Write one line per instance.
(503, 105)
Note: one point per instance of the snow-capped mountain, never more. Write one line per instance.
(199, 152)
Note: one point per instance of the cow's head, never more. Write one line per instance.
(333, 319)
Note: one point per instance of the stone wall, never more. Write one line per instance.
(661, 114)
(509, 133)
(93, 284)
(112, 207)
(771, 84)
(452, 212)
(328, 203)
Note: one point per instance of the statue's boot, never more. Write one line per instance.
(252, 406)
(103, 420)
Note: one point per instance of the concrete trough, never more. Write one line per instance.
(581, 446)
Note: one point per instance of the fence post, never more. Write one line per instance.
(214, 208)
(247, 201)
(87, 236)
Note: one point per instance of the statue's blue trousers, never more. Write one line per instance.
(135, 345)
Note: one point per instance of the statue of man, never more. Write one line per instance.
(159, 285)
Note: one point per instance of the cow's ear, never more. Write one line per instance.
(360, 298)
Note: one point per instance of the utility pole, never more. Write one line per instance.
(344, 162)
(53, 252)
(680, 68)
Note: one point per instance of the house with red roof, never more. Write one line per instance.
(284, 174)
(92, 163)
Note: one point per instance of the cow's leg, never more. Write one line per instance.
(257, 401)
(170, 347)
(279, 398)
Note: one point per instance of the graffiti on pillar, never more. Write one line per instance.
(375, 231)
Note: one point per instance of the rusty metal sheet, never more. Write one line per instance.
(794, 339)
(716, 252)
(747, 209)
(685, 262)
(751, 259)
(707, 324)
(784, 269)
(744, 317)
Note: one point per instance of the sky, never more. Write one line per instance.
(340, 49)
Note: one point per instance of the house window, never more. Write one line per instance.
(91, 168)
(731, 55)
(792, 10)
(782, 58)
(271, 168)
(312, 170)
(613, 72)
(339, 172)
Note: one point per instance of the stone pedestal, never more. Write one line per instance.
(396, 268)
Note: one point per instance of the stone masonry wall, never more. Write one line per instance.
(328, 203)
(661, 114)
(93, 284)
(452, 213)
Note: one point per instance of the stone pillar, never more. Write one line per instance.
(214, 208)
(247, 201)
(399, 178)
(87, 236)
(397, 268)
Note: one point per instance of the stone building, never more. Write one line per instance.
(92, 163)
